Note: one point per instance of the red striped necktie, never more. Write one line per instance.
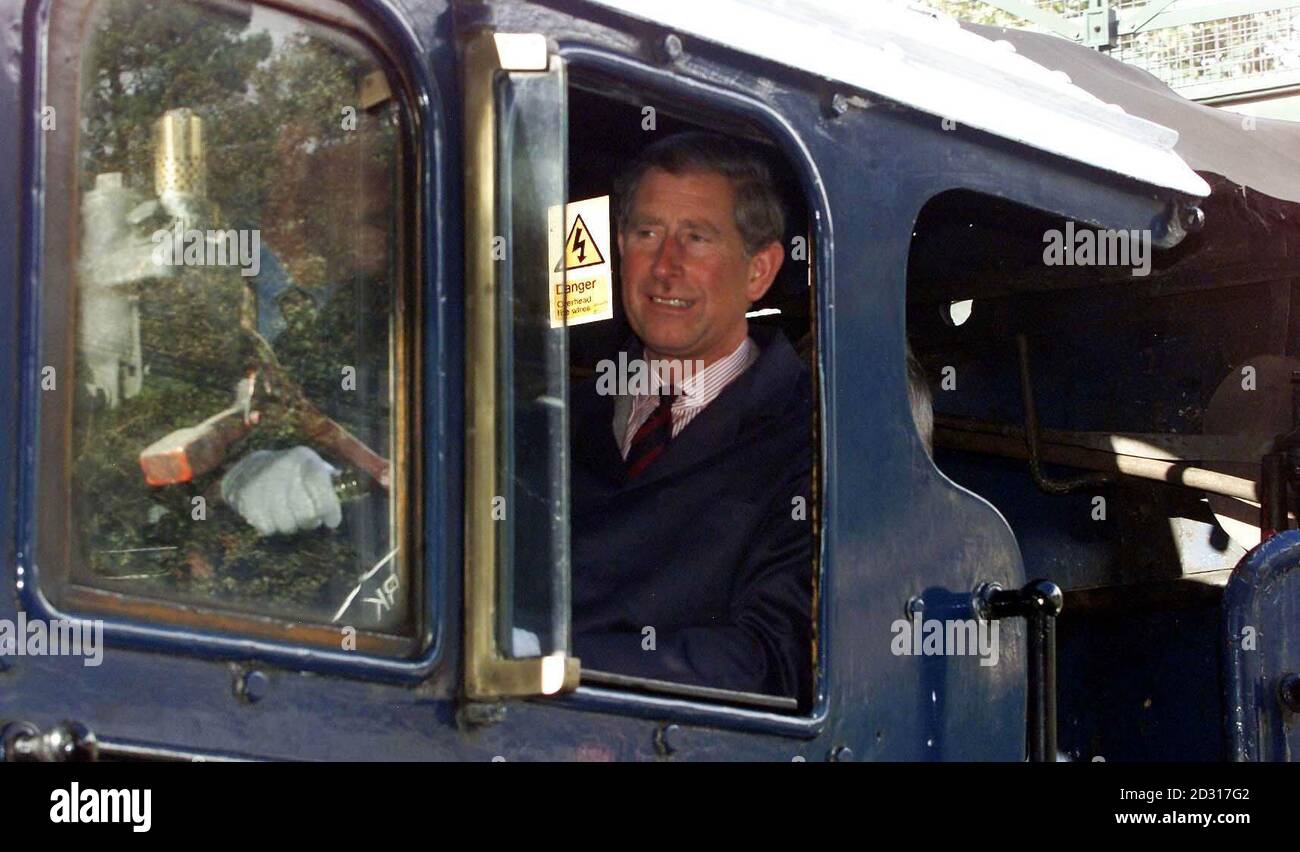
(652, 438)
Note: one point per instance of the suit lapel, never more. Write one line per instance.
(712, 431)
(594, 445)
(761, 388)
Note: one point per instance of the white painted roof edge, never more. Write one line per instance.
(930, 63)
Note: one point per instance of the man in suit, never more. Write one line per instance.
(692, 530)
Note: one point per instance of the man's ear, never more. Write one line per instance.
(763, 266)
(619, 237)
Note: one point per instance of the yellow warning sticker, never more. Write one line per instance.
(581, 286)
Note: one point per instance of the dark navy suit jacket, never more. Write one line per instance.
(709, 545)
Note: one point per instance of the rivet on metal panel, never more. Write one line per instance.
(841, 754)
(479, 713)
(915, 606)
(670, 49)
(980, 599)
(664, 739)
(252, 686)
(1193, 218)
(839, 104)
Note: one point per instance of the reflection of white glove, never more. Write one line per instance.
(283, 491)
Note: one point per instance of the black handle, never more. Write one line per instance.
(1039, 603)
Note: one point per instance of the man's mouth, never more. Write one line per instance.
(671, 303)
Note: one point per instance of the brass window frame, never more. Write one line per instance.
(488, 672)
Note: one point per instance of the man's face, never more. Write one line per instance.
(687, 281)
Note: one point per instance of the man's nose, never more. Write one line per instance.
(668, 259)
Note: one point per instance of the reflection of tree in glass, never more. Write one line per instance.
(148, 56)
(280, 161)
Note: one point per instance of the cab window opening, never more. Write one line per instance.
(1076, 333)
(1130, 367)
(618, 126)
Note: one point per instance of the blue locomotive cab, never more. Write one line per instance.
(322, 310)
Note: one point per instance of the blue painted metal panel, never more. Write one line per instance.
(12, 182)
(1261, 610)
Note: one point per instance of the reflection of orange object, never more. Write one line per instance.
(194, 450)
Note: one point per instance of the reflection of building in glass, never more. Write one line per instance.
(108, 335)
(117, 251)
(1243, 56)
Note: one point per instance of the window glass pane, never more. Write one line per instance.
(237, 351)
(533, 544)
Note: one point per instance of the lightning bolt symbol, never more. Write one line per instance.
(579, 245)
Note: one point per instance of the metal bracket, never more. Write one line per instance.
(1039, 603)
(67, 742)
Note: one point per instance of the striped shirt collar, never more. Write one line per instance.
(698, 387)
(701, 388)
(697, 392)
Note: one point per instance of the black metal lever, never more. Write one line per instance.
(68, 742)
(73, 742)
(1039, 603)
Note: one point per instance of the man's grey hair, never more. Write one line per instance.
(922, 403)
(760, 216)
